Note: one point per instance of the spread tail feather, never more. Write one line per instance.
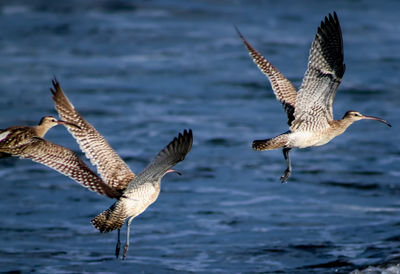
(272, 143)
(110, 219)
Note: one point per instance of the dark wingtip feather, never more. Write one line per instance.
(188, 137)
(329, 31)
(176, 150)
(335, 16)
(55, 82)
(183, 142)
(56, 85)
(247, 44)
(238, 32)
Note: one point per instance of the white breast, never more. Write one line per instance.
(137, 200)
(303, 139)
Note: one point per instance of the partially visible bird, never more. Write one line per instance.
(309, 110)
(13, 138)
(133, 192)
(28, 143)
(144, 189)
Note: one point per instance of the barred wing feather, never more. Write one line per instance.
(284, 90)
(66, 162)
(322, 78)
(114, 171)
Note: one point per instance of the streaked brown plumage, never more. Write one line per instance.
(18, 135)
(27, 142)
(14, 137)
(309, 110)
(134, 192)
(112, 169)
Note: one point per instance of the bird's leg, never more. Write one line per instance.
(118, 247)
(288, 170)
(126, 246)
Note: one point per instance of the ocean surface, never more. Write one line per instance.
(141, 72)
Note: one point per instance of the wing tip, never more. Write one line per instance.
(332, 17)
(56, 85)
(180, 145)
(238, 32)
(331, 31)
(171, 154)
(249, 47)
(330, 23)
(185, 140)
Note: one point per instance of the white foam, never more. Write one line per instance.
(395, 269)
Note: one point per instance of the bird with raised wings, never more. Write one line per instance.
(144, 189)
(134, 193)
(309, 110)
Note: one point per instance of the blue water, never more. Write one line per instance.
(142, 71)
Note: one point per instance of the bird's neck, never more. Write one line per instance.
(41, 130)
(341, 125)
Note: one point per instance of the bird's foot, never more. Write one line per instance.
(126, 246)
(117, 249)
(286, 175)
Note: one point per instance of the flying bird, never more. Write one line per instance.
(144, 189)
(309, 111)
(134, 193)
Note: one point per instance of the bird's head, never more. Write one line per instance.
(50, 121)
(353, 116)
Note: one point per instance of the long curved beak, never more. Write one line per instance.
(61, 122)
(377, 119)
